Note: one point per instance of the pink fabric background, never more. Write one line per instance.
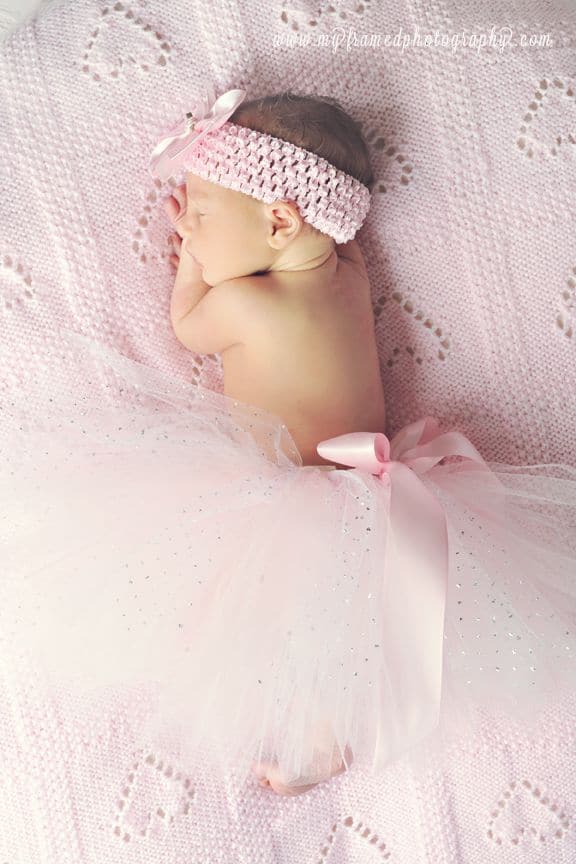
(470, 248)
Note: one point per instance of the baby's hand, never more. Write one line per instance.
(176, 205)
(188, 270)
(176, 243)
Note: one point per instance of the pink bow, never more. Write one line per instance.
(168, 157)
(415, 569)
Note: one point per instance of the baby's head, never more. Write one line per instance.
(232, 233)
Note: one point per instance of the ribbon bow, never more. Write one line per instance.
(168, 157)
(415, 576)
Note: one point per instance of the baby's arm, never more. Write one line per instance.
(205, 319)
(189, 287)
(216, 322)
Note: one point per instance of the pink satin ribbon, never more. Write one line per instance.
(415, 568)
(169, 155)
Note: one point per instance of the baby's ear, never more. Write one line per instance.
(283, 217)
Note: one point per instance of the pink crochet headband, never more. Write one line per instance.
(261, 165)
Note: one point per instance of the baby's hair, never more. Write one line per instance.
(320, 125)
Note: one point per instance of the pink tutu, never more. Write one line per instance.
(283, 610)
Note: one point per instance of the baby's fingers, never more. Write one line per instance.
(175, 241)
(175, 205)
(172, 209)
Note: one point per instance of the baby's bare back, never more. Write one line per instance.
(311, 358)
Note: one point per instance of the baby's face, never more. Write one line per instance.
(224, 230)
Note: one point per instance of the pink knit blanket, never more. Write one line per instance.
(470, 250)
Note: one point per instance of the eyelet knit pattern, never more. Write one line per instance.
(271, 169)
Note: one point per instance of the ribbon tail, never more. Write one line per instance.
(414, 599)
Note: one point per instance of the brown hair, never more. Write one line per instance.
(320, 125)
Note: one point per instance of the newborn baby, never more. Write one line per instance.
(287, 307)
(287, 613)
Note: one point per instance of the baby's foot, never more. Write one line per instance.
(271, 775)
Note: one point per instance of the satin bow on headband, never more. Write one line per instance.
(208, 113)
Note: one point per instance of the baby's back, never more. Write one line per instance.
(311, 358)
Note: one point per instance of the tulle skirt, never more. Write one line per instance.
(283, 610)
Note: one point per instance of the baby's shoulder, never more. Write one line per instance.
(255, 292)
(351, 261)
(250, 292)
(243, 289)
(248, 299)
